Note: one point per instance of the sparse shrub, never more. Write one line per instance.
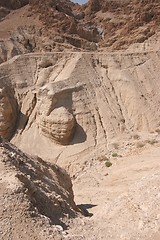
(114, 154)
(108, 164)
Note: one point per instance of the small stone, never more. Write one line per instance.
(59, 228)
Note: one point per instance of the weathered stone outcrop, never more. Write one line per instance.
(35, 196)
(8, 112)
(102, 92)
(59, 125)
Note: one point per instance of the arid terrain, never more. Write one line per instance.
(80, 120)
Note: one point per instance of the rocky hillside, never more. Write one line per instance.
(13, 4)
(124, 22)
(67, 98)
(108, 23)
(63, 26)
(34, 195)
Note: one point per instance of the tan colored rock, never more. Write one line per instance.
(59, 125)
(8, 113)
(108, 102)
(101, 91)
(35, 196)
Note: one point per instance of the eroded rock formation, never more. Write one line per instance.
(114, 98)
(81, 110)
(8, 112)
(59, 125)
(34, 195)
(83, 101)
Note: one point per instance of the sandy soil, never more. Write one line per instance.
(124, 199)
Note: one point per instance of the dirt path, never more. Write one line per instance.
(124, 203)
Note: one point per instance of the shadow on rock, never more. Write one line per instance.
(80, 135)
(84, 208)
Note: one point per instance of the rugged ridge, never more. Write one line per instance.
(63, 26)
(124, 22)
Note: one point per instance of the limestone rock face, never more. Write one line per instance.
(8, 113)
(101, 91)
(59, 125)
